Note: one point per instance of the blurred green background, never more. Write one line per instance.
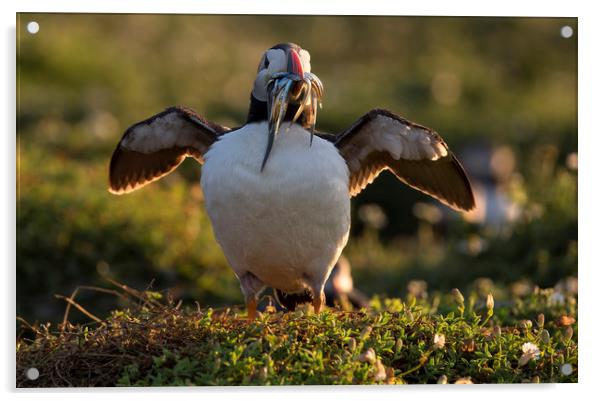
(501, 91)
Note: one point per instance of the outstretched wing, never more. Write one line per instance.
(154, 147)
(415, 154)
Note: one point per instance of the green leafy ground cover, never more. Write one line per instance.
(442, 339)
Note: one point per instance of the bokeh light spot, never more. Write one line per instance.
(572, 161)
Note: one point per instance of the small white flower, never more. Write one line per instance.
(532, 348)
(439, 341)
(530, 351)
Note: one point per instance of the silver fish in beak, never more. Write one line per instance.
(293, 87)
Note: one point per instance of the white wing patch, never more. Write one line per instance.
(403, 142)
(165, 132)
(154, 147)
(400, 141)
(416, 155)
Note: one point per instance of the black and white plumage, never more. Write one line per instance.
(156, 146)
(278, 197)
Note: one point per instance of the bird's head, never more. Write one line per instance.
(286, 88)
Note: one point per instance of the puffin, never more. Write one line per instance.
(276, 190)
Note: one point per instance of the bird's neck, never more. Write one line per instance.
(258, 111)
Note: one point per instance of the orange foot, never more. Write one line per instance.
(318, 302)
(251, 309)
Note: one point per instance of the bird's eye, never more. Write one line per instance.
(263, 64)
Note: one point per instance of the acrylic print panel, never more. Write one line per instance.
(144, 288)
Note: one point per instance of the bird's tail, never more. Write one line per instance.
(290, 301)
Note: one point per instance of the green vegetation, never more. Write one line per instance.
(445, 339)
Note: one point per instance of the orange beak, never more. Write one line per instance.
(294, 65)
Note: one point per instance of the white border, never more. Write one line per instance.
(335, 7)
(590, 66)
